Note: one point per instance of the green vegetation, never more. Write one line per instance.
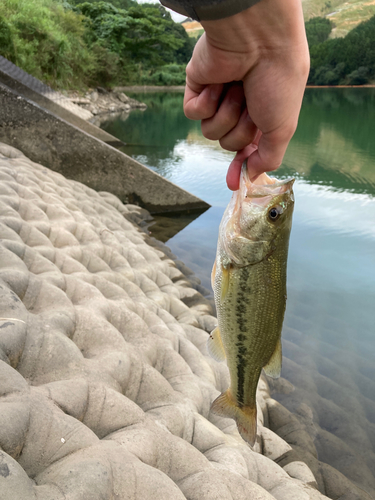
(314, 8)
(350, 14)
(75, 45)
(46, 40)
(344, 61)
(345, 14)
(318, 30)
(119, 4)
(196, 33)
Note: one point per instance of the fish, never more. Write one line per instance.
(249, 283)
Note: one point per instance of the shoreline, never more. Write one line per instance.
(98, 103)
(101, 102)
(150, 88)
(181, 88)
(369, 86)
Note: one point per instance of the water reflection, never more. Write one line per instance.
(329, 339)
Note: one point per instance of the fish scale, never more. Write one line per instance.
(249, 282)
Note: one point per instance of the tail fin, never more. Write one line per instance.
(245, 417)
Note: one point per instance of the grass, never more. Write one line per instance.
(350, 14)
(195, 33)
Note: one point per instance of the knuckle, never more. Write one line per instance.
(273, 166)
(209, 132)
(231, 145)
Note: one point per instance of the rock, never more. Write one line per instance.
(338, 486)
(281, 385)
(300, 471)
(123, 98)
(94, 96)
(103, 102)
(273, 446)
(80, 100)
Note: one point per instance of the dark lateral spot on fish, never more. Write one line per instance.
(241, 355)
(4, 470)
(243, 326)
(8, 323)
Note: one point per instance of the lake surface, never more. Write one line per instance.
(329, 328)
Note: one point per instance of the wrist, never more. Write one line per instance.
(264, 27)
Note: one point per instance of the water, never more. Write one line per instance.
(329, 328)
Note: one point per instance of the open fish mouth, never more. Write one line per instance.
(263, 185)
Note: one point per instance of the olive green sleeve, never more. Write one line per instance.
(208, 10)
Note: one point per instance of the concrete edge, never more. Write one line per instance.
(48, 139)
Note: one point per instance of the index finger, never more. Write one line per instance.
(202, 102)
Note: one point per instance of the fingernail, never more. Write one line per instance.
(235, 101)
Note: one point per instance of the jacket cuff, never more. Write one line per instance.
(218, 9)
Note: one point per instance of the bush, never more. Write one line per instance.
(47, 41)
(171, 74)
(318, 30)
(358, 76)
(6, 40)
(94, 43)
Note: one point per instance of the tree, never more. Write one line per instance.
(318, 30)
(351, 59)
(119, 4)
(143, 33)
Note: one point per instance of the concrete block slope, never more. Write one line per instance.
(52, 141)
(105, 379)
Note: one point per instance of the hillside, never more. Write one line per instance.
(346, 15)
(193, 28)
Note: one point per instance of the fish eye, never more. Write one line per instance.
(274, 213)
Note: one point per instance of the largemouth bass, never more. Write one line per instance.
(249, 283)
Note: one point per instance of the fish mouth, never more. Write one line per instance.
(264, 185)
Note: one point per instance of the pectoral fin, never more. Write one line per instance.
(273, 367)
(215, 345)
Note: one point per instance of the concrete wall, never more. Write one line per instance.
(33, 89)
(50, 140)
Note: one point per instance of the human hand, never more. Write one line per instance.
(246, 81)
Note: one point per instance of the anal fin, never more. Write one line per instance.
(245, 417)
(215, 345)
(273, 367)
